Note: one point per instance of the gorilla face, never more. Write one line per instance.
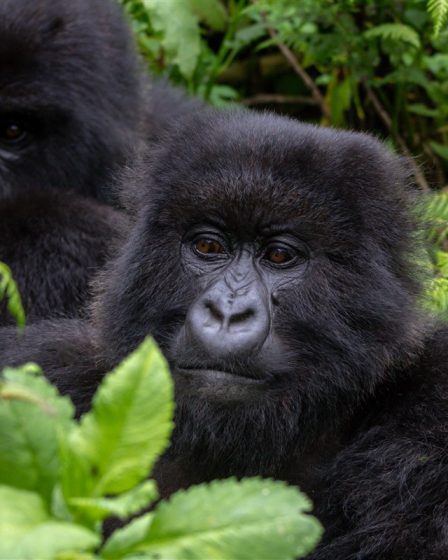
(69, 94)
(271, 263)
(223, 349)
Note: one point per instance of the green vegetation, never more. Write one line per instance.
(9, 291)
(378, 65)
(60, 479)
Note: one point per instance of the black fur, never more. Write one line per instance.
(355, 406)
(69, 73)
(71, 81)
(54, 242)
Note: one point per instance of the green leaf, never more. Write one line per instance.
(226, 519)
(125, 539)
(130, 422)
(8, 289)
(122, 506)
(440, 149)
(32, 419)
(246, 35)
(423, 110)
(77, 474)
(221, 95)
(212, 12)
(27, 532)
(434, 215)
(437, 64)
(339, 98)
(179, 28)
(395, 32)
(441, 261)
(435, 207)
(437, 297)
(439, 13)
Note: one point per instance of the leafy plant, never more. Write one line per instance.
(434, 214)
(9, 290)
(439, 13)
(177, 46)
(60, 479)
(377, 65)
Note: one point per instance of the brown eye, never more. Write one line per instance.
(206, 246)
(278, 255)
(12, 133)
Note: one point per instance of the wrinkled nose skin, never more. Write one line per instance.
(226, 323)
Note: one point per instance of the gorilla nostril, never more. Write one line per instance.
(214, 311)
(241, 317)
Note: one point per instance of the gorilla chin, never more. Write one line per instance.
(218, 386)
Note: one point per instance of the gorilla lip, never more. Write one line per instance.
(211, 375)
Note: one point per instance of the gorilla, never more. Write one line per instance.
(73, 104)
(275, 263)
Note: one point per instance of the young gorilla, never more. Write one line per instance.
(274, 264)
(72, 101)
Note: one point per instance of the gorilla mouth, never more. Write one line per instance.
(216, 375)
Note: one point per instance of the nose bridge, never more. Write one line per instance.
(239, 279)
(232, 316)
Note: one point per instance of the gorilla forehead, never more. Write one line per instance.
(255, 170)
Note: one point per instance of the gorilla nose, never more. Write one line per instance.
(225, 326)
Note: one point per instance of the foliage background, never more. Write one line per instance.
(374, 65)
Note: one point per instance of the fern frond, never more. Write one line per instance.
(434, 214)
(395, 32)
(438, 10)
(437, 297)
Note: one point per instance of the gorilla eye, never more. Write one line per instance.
(205, 246)
(278, 255)
(12, 134)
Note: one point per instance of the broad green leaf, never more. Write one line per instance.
(77, 474)
(252, 519)
(179, 27)
(122, 506)
(27, 532)
(130, 421)
(395, 32)
(32, 419)
(8, 289)
(125, 539)
(211, 11)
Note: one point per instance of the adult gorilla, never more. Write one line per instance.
(274, 263)
(73, 104)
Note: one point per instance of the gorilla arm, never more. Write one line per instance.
(385, 494)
